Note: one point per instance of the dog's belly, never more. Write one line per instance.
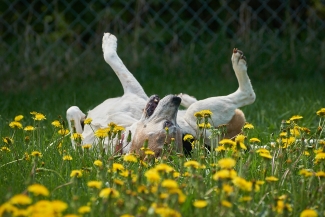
(123, 111)
(118, 110)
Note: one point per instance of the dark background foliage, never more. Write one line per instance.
(50, 42)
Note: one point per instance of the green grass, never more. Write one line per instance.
(299, 92)
(276, 101)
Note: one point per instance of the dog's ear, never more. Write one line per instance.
(150, 107)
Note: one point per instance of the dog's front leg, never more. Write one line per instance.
(75, 118)
(128, 81)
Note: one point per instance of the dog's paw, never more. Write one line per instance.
(238, 58)
(109, 42)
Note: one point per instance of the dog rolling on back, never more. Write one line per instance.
(146, 118)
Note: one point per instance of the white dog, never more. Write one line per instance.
(146, 118)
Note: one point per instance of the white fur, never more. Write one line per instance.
(127, 109)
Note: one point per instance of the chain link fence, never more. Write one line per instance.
(48, 39)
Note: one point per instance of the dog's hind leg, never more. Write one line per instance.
(224, 107)
(128, 81)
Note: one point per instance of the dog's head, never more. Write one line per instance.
(157, 116)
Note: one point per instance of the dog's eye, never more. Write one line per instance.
(168, 124)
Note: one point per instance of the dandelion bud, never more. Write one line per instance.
(145, 144)
(129, 136)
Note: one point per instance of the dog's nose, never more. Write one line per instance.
(176, 100)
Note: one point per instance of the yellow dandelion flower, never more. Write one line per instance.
(38, 189)
(20, 212)
(320, 156)
(149, 152)
(220, 148)
(243, 184)
(240, 138)
(98, 163)
(63, 132)
(20, 199)
(112, 125)
(204, 126)
(309, 212)
(38, 116)
(225, 174)
(8, 140)
(248, 126)
(76, 136)
(101, 133)
(227, 142)
(118, 182)
(169, 183)
(166, 211)
(36, 154)
(117, 167)
(266, 155)
(281, 206)
(164, 168)
(283, 134)
(71, 215)
(130, 158)
(29, 128)
(5, 149)
(188, 137)
(262, 150)
(152, 175)
(109, 193)
(95, 184)
(200, 203)
(16, 124)
(226, 163)
(26, 156)
(84, 209)
(59, 206)
(288, 141)
(76, 173)
(226, 203)
(206, 113)
(88, 121)
(192, 164)
(321, 112)
(306, 173)
(253, 140)
(320, 174)
(56, 123)
(67, 158)
(228, 189)
(125, 173)
(306, 153)
(295, 131)
(18, 118)
(198, 114)
(86, 146)
(295, 117)
(271, 179)
(176, 174)
(118, 129)
(127, 215)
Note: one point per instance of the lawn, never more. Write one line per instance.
(275, 168)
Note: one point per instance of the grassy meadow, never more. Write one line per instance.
(275, 168)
